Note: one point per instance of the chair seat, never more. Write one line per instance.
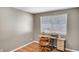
(44, 43)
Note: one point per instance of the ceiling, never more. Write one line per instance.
(35, 10)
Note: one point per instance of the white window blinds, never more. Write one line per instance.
(54, 24)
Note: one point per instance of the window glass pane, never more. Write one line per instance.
(56, 23)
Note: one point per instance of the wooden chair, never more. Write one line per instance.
(44, 43)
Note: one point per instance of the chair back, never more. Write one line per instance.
(44, 41)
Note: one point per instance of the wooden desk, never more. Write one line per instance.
(48, 36)
(60, 42)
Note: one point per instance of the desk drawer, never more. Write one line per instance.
(60, 45)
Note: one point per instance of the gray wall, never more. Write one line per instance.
(72, 38)
(15, 28)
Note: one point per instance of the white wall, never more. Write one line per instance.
(24, 23)
(16, 28)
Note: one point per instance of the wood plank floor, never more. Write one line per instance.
(33, 47)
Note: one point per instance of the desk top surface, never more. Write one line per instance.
(52, 37)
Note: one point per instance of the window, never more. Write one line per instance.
(54, 24)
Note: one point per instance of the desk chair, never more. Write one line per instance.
(44, 43)
(53, 41)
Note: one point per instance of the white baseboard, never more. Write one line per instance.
(23, 46)
(71, 50)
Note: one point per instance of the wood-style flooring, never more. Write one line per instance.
(33, 47)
